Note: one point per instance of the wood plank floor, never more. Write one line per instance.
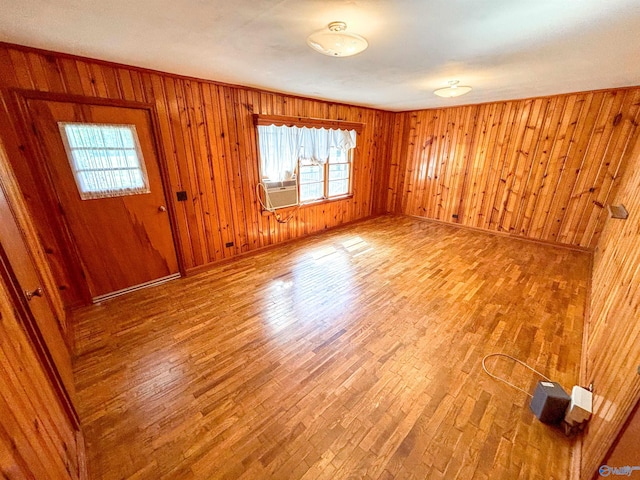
(355, 354)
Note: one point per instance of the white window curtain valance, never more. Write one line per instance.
(282, 146)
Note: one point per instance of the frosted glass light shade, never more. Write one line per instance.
(453, 90)
(336, 42)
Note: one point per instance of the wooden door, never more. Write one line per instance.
(40, 433)
(26, 260)
(123, 241)
(38, 436)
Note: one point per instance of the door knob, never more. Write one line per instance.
(162, 208)
(36, 293)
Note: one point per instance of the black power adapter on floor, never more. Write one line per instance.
(549, 402)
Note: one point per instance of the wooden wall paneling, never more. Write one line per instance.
(447, 186)
(599, 148)
(528, 155)
(226, 159)
(139, 85)
(89, 83)
(614, 332)
(184, 129)
(242, 242)
(405, 180)
(199, 152)
(494, 179)
(427, 145)
(414, 170)
(464, 156)
(217, 210)
(397, 160)
(474, 171)
(167, 143)
(226, 168)
(21, 77)
(362, 172)
(488, 169)
(382, 147)
(36, 71)
(511, 175)
(50, 69)
(558, 156)
(540, 168)
(437, 164)
(614, 163)
(180, 138)
(249, 169)
(71, 77)
(433, 193)
(247, 239)
(380, 156)
(586, 169)
(572, 166)
(445, 155)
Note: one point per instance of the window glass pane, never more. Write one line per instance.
(311, 181)
(338, 187)
(311, 174)
(338, 172)
(311, 191)
(106, 160)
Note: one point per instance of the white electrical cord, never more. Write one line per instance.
(264, 189)
(515, 360)
(271, 209)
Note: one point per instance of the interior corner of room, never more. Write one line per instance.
(290, 286)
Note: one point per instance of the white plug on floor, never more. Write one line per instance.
(580, 408)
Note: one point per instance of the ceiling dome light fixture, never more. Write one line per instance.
(453, 90)
(336, 42)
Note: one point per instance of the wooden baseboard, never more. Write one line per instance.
(576, 460)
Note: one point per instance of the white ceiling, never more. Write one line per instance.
(504, 49)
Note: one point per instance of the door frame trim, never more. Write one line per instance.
(18, 105)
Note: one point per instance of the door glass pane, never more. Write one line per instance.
(106, 160)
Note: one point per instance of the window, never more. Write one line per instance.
(318, 159)
(106, 160)
(332, 179)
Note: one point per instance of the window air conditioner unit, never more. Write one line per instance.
(281, 194)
